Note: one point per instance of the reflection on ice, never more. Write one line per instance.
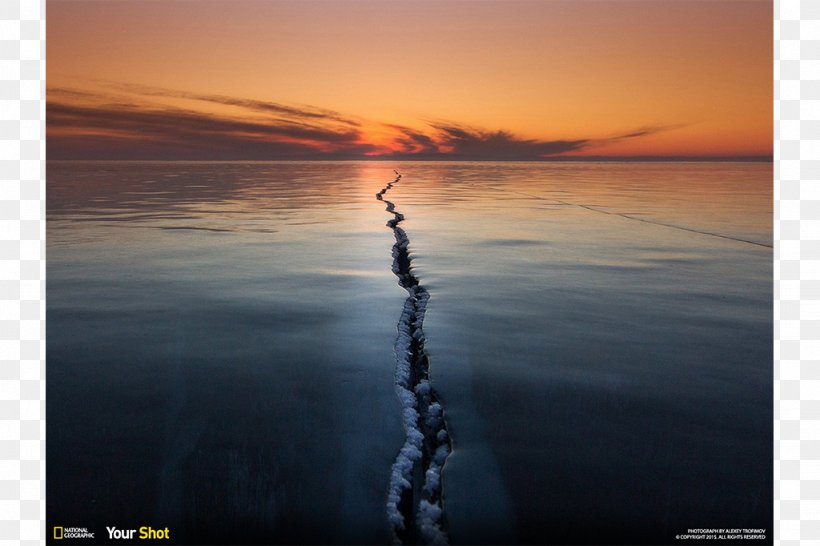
(221, 347)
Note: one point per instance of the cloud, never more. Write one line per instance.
(644, 131)
(464, 143)
(448, 140)
(289, 111)
(82, 124)
(133, 122)
(411, 141)
(171, 122)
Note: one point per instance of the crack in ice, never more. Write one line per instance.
(414, 500)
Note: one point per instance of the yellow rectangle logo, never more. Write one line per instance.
(58, 533)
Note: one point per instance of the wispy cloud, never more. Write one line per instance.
(294, 112)
(135, 121)
(464, 143)
(104, 125)
(412, 141)
(448, 140)
(643, 131)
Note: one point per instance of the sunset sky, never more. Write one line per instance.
(237, 79)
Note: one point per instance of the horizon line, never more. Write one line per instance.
(561, 159)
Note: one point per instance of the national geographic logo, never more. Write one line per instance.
(143, 533)
(72, 532)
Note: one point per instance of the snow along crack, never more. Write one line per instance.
(414, 501)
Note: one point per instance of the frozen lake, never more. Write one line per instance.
(221, 347)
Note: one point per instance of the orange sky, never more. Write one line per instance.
(480, 79)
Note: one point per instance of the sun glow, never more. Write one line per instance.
(496, 80)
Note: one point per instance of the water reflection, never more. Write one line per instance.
(220, 347)
(217, 349)
(607, 380)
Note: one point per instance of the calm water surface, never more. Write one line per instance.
(220, 342)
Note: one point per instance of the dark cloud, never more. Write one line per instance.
(454, 141)
(130, 131)
(412, 141)
(644, 131)
(288, 111)
(126, 121)
(176, 121)
(464, 143)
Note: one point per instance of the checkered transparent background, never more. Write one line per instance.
(797, 271)
(22, 271)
